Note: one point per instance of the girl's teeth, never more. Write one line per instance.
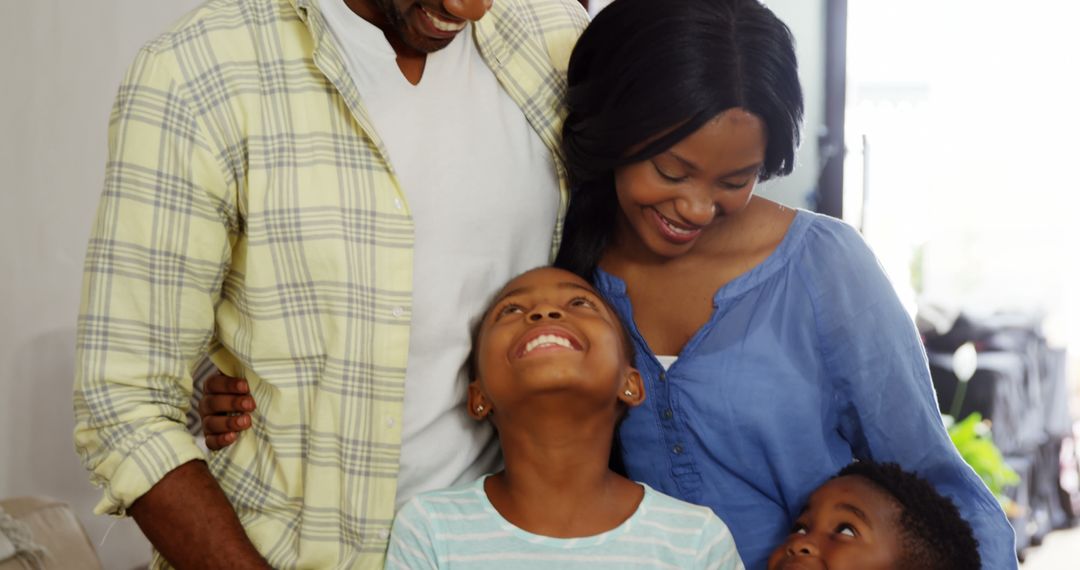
(545, 340)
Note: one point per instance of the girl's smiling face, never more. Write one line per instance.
(849, 523)
(549, 332)
(669, 201)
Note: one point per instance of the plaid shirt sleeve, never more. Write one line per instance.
(154, 268)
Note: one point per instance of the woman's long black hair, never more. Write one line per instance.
(645, 75)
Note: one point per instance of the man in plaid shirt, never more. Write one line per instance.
(317, 195)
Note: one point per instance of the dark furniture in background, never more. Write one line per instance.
(1020, 386)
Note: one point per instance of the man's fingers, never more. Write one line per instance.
(216, 442)
(225, 395)
(222, 384)
(225, 404)
(221, 425)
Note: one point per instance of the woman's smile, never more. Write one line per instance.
(672, 231)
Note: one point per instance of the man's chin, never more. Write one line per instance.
(424, 45)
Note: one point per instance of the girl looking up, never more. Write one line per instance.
(552, 370)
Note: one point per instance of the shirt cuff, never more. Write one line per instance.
(133, 474)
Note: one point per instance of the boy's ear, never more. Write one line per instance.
(632, 392)
(477, 403)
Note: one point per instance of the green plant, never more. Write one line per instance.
(972, 439)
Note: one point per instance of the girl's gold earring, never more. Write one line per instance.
(480, 409)
(628, 393)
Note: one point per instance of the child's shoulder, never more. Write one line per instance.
(677, 513)
(692, 527)
(459, 498)
(661, 502)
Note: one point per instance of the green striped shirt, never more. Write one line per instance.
(249, 214)
(459, 528)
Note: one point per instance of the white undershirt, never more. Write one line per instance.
(666, 361)
(483, 193)
(596, 5)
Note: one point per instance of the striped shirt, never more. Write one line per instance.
(459, 528)
(250, 214)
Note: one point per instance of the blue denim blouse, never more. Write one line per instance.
(808, 362)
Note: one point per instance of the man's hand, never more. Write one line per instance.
(225, 408)
(189, 520)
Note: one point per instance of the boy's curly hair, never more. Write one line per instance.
(933, 534)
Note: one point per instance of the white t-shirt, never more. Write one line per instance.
(482, 190)
(666, 361)
(596, 5)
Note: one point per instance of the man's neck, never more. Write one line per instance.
(410, 61)
(557, 481)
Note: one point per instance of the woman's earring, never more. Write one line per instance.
(628, 393)
(480, 409)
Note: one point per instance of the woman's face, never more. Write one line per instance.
(668, 201)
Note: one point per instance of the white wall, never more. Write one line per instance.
(60, 64)
(806, 18)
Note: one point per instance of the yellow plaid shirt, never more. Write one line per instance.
(249, 213)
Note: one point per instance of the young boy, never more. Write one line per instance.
(872, 516)
(551, 369)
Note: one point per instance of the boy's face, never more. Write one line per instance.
(548, 332)
(848, 523)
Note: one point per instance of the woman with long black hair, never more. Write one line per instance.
(773, 347)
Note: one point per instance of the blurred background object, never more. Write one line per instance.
(43, 534)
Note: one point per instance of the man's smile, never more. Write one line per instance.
(443, 24)
(436, 26)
